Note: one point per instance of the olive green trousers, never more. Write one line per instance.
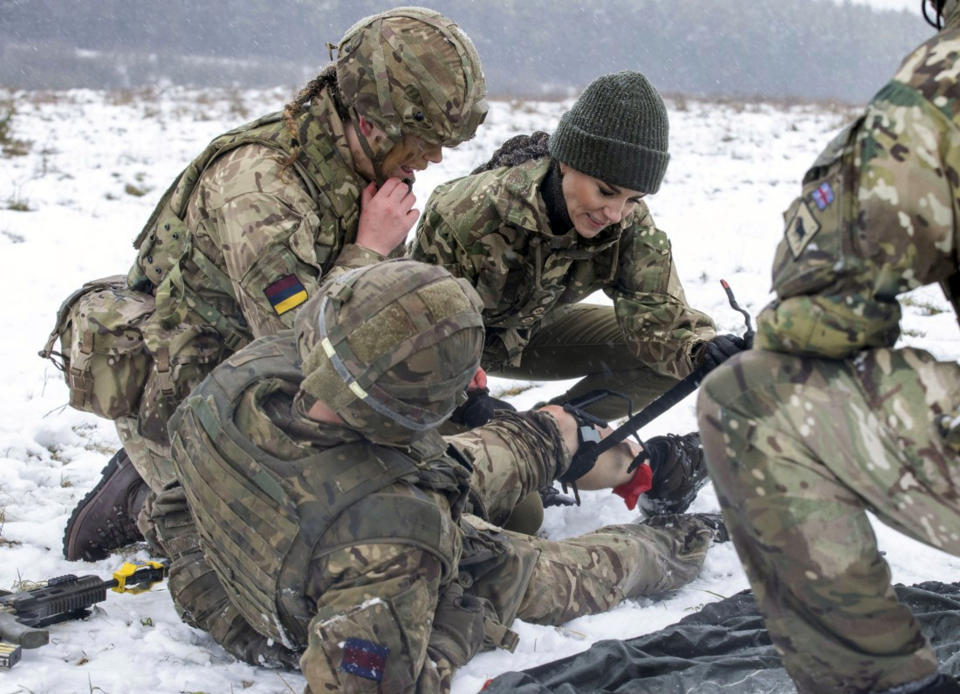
(585, 341)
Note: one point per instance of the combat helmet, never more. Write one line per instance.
(410, 70)
(391, 348)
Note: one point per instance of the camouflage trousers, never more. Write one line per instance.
(799, 450)
(534, 579)
(585, 341)
(151, 459)
(153, 462)
(581, 575)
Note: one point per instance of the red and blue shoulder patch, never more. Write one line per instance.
(823, 195)
(285, 294)
(364, 658)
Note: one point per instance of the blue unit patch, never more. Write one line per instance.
(364, 658)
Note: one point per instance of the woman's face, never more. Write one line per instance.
(410, 155)
(594, 205)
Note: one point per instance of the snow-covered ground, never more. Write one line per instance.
(69, 209)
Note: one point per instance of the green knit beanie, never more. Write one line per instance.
(617, 132)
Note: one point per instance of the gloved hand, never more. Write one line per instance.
(719, 349)
(551, 496)
(479, 408)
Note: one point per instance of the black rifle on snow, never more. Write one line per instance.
(24, 614)
(593, 446)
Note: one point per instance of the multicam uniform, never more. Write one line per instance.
(238, 242)
(251, 227)
(826, 421)
(493, 229)
(359, 556)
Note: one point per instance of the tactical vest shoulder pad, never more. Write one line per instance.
(818, 243)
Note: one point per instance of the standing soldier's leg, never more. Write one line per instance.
(798, 450)
(585, 341)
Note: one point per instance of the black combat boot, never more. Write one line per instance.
(678, 473)
(106, 518)
(714, 521)
(551, 496)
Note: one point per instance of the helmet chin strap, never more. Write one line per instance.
(375, 161)
(379, 176)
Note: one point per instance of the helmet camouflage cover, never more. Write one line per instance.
(412, 71)
(391, 347)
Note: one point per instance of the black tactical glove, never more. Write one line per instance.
(719, 349)
(551, 496)
(679, 472)
(479, 408)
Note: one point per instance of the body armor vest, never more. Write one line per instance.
(165, 241)
(262, 518)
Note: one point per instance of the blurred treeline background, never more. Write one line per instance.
(802, 49)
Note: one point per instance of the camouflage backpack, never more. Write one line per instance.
(102, 352)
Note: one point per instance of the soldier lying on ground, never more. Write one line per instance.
(826, 421)
(320, 519)
(251, 227)
(549, 221)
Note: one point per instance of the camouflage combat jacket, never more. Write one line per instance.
(493, 229)
(877, 215)
(241, 238)
(292, 513)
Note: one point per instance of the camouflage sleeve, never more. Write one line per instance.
(901, 233)
(651, 306)
(512, 455)
(436, 243)
(271, 236)
(372, 626)
(476, 249)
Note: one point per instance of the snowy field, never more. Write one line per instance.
(69, 209)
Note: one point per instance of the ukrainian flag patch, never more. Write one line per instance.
(286, 293)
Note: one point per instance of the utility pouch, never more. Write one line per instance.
(182, 357)
(102, 352)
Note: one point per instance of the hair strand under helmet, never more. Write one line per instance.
(410, 70)
(617, 131)
(391, 347)
(938, 8)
